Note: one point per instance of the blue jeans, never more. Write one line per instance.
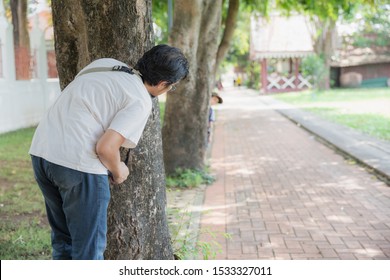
(76, 206)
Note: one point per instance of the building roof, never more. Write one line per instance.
(289, 37)
(348, 55)
(280, 37)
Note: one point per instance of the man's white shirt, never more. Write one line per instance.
(87, 107)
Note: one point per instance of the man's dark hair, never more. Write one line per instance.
(162, 63)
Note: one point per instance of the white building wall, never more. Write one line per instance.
(23, 103)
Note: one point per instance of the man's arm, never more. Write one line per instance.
(107, 149)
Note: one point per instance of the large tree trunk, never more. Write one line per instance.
(21, 38)
(87, 30)
(230, 26)
(195, 30)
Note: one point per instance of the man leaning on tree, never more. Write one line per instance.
(75, 149)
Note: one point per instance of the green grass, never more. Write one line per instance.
(372, 124)
(335, 105)
(24, 232)
(13, 145)
(337, 95)
(24, 240)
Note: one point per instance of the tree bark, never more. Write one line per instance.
(186, 112)
(87, 30)
(230, 26)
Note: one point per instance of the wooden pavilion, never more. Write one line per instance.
(279, 44)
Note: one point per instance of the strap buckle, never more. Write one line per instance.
(126, 69)
(122, 69)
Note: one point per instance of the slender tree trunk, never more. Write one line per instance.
(20, 23)
(85, 30)
(195, 30)
(324, 47)
(21, 38)
(230, 26)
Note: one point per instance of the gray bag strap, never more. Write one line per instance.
(117, 68)
(108, 69)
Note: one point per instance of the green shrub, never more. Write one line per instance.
(314, 66)
(253, 71)
(188, 178)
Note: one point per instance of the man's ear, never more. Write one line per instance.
(162, 84)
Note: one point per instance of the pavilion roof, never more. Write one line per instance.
(280, 37)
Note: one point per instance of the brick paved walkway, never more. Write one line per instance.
(281, 194)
